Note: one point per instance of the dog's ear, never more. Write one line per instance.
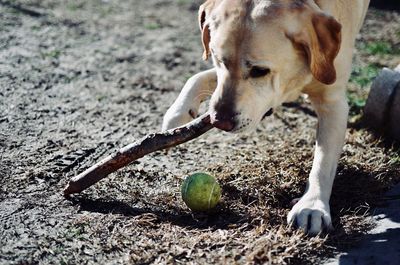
(320, 39)
(204, 12)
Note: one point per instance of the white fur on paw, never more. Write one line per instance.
(175, 118)
(310, 214)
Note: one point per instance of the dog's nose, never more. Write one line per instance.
(223, 122)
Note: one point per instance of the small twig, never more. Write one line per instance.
(20, 8)
(126, 155)
(47, 17)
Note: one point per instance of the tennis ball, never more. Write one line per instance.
(200, 192)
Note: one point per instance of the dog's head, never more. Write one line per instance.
(264, 53)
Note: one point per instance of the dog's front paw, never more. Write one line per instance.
(176, 117)
(311, 214)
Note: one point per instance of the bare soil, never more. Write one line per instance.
(79, 79)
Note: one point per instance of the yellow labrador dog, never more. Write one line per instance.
(266, 52)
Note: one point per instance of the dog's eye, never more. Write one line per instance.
(256, 72)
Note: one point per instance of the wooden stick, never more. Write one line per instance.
(148, 144)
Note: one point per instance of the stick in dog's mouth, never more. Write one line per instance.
(126, 155)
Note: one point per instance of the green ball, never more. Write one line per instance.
(200, 192)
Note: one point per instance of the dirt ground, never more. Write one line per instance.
(79, 79)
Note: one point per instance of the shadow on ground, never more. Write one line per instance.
(382, 244)
(220, 218)
(387, 4)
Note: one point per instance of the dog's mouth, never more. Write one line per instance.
(268, 113)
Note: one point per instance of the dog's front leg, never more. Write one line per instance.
(186, 106)
(312, 211)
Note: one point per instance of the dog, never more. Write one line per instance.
(268, 52)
